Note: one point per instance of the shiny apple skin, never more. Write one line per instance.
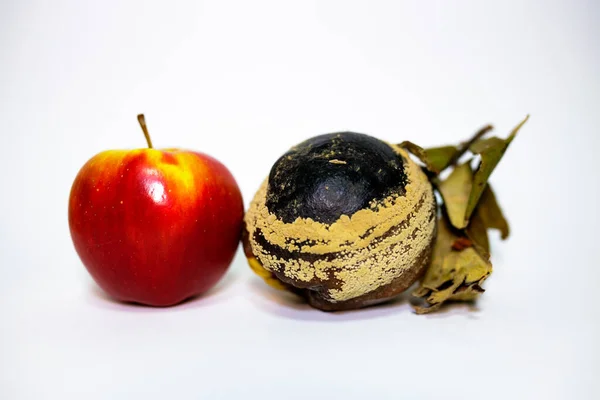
(155, 226)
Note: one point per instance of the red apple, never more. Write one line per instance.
(155, 226)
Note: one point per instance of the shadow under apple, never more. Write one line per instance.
(216, 295)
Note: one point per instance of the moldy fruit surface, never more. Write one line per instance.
(345, 219)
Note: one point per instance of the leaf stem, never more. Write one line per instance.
(464, 146)
(142, 122)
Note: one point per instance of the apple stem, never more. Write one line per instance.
(142, 122)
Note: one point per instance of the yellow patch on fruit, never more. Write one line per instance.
(267, 276)
(182, 169)
(372, 250)
(177, 173)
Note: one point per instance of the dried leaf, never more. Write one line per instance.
(491, 214)
(461, 259)
(487, 215)
(452, 275)
(491, 151)
(455, 191)
(461, 243)
(435, 159)
(426, 310)
(468, 292)
(477, 233)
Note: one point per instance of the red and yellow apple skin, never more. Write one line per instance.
(155, 226)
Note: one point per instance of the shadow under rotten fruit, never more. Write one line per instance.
(348, 221)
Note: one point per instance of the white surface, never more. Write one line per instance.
(244, 81)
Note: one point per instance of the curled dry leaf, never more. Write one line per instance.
(435, 159)
(490, 213)
(461, 258)
(454, 275)
(491, 151)
(455, 191)
(478, 235)
(461, 243)
(463, 188)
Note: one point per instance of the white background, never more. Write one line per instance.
(243, 81)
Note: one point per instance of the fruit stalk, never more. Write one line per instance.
(142, 121)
